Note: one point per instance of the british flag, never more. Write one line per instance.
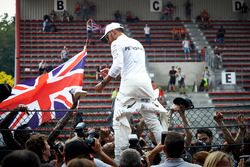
(50, 91)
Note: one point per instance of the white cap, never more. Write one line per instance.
(109, 28)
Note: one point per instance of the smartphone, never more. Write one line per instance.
(163, 136)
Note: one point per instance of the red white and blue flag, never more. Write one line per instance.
(49, 91)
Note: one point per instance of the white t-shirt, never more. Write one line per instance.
(147, 30)
(129, 62)
(185, 44)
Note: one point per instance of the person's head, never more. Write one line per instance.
(205, 135)
(81, 162)
(22, 134)
(21, 158)
(218, 159)
(38, 144)
(173, 67)
(130, 158)
(174, 144)
(76, 149)
(200, 157)
(5, 90)
(112, 32)
(245, 147)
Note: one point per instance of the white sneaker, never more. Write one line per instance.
(78, 92)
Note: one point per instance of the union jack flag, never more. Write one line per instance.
(49, 91)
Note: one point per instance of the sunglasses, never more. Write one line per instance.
(107, 37)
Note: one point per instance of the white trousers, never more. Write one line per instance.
(121, 124)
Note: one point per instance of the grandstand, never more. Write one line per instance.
(33, 45)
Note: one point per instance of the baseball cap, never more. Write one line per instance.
(110, 27)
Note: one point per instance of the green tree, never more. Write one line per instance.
(7, 44)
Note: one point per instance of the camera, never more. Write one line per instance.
(91, 135)
(58, 147)
(90, 141)
(134, 143)
(79, 129)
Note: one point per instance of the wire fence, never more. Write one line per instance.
(97, 118)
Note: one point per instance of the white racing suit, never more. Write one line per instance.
(148, 109)
(135, 93)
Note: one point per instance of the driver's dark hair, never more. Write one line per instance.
(207, 131)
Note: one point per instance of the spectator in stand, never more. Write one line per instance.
(90, 31)
(205, 19)
(203, 54)
(175, 33)
(42, 67)
(188, 10)
(220, 35)
(207, 77)
(147, 34)
(218, 159)
(183, 33)
(168, 11)
(172, 74)
(52, 15)
(92, 9)
(181, 81)
(77, 10)
(244, 11)
(46, 25)
(174, 146)
(85, 10)
(218, 61)
(118, 16)
(130, 18)
(66, 16)
(38, 144)
(22, 158)
(65, 54)
(186, 48)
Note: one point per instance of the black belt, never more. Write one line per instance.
(145, 100)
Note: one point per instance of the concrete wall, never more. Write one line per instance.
(192, 71)
(218, 9)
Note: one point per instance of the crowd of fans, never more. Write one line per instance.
(95, 146)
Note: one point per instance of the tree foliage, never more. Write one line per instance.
(5, 78)
(7, 44)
